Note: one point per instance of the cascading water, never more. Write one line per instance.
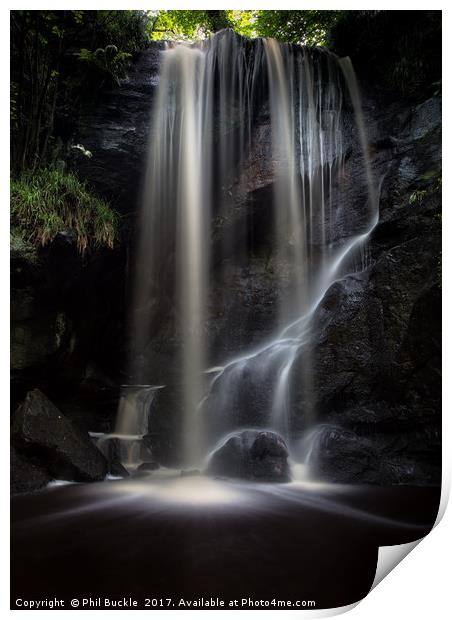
(125, 444)
(205, 131)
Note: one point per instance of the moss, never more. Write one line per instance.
(48, 202)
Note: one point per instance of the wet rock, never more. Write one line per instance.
(43, 433)
(110, 447)
(426, 118)
(341, 456)
(252, 455)
(380, 457)
(116, 131)
(26, 476)
(148, 466)
(115, 468)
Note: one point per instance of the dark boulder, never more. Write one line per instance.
(339, 455)
(148, 466)
(253, 455)
(26, 476)
(117, 469)
(110, 446)
(43, 433)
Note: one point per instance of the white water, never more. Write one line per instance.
(201, 141)
(308, 158)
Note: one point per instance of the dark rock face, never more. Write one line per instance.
(116, 132)
(41, 329)
(344, 456)
(376, 355)
(253, 455)
(67, 316)
(35, 333)
(40, 431)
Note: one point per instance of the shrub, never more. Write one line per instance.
(48, 202)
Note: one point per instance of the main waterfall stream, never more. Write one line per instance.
(205, 133)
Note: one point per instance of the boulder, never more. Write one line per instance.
(26, 476)
(116, 469)
(43, 433)
(340, 455)
(148, 466)
(111, 450)
(252, 455)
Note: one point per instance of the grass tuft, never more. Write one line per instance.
(48, 202)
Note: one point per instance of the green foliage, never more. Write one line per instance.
(401, 50)
(108, 60)
(59, 60)
(128, 30)
(417, 196)
(244, 22)
(188, 25)
(49, 202)
(433, 188)
(306, 27)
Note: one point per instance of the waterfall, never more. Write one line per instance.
(211, 103)
(125, 444)
(175, 215)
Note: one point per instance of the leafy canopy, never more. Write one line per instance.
(188, 25)
(305, 27)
